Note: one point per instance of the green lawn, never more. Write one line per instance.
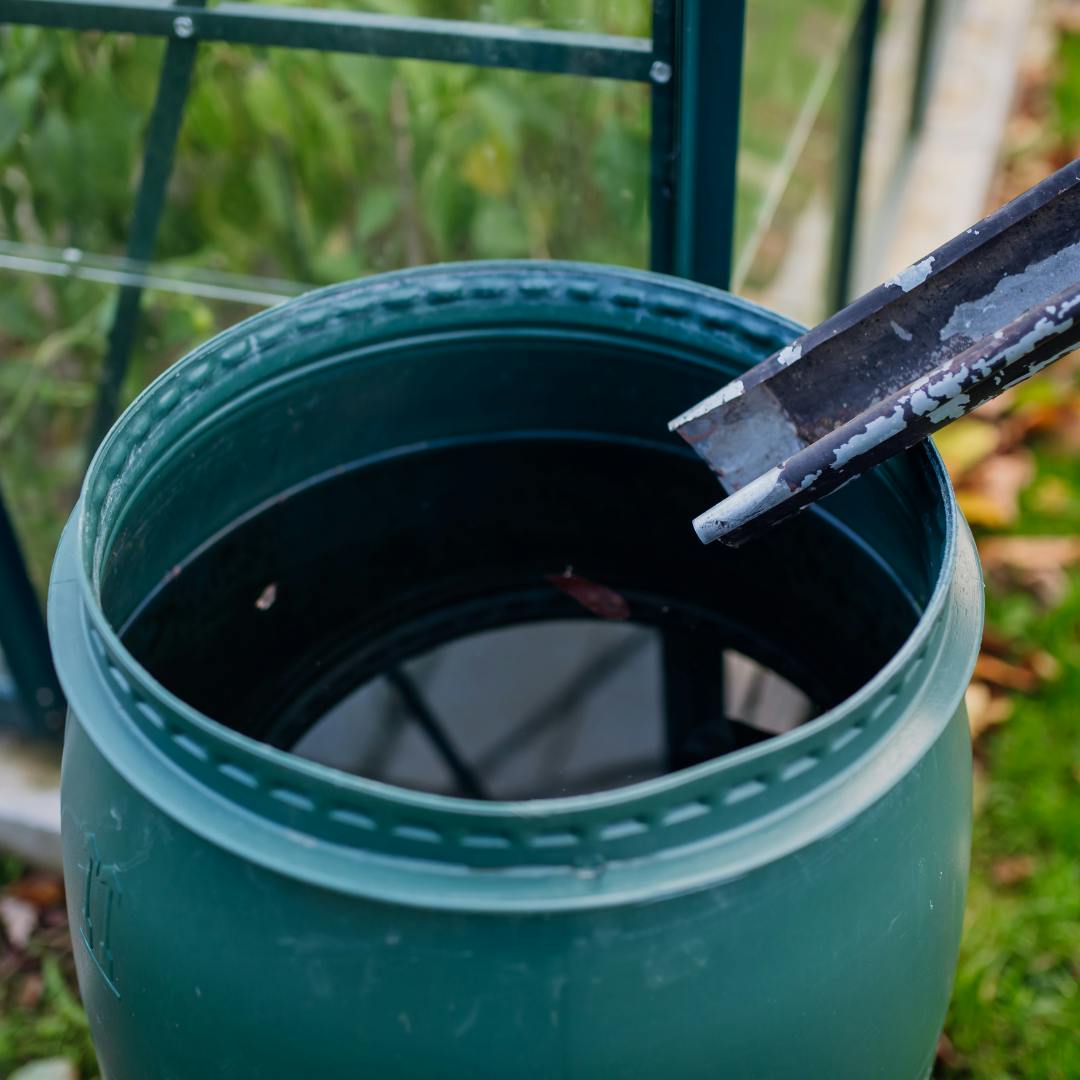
(1016, 1007)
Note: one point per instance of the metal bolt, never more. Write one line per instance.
(660, 72)
(183, 26)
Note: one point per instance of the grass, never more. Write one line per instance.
(1016, 1008)
(40, 1013)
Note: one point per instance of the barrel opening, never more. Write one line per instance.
(465, 642)
(462, 560)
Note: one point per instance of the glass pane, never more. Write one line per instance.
(318, 167)
(789, 142)
(73, 108)
(290, 165)
(54, 333)
(624, 17)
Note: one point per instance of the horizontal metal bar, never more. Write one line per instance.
(113, 270)
(449, 40)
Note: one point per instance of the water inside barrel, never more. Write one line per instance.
(524, 619)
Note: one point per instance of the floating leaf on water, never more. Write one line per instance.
(267, 597)
(599, 599)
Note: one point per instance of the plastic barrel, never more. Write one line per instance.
(429, 448)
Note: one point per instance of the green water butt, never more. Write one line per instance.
(354, 479)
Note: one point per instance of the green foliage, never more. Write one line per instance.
(49, 1023)
(1067, 89)
(299, 165)
(1016, 1005)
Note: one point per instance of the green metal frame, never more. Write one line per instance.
(695, 128)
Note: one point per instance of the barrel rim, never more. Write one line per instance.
(571, 838)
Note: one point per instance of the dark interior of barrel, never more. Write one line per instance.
(524, 617)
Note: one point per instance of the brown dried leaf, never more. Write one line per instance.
(966, 443)
(30, 990)
(947, 1053)
(990, 492)
(1012, 870)
(993, 669)
(985, 709)
(19, 919)
(1034, 418)
(41, 890)
(994, 641)
(1044, 664)
(980, 509)
(1065, 438)
(1066, 16)
(599, 599)
(996, 407)
(1029, 552)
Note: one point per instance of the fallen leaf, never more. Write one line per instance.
(994, 641)
(997, 406)
(980, 509)
(19, 919)
(267, 597)
(1013, 869)
(1065, 438)
(993, 669)
(1034, 418)
(1044, 664)
(1051, 496)
(947, 1053)
(985, 709)
(990, 493)
(41, 890)
(1066, 16)
(1035, 563)
(599, 599)
(30, 990)
(1029, 552)
(967, 442)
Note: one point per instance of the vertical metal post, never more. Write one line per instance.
(161, 138)
(859, 71)
(663, 144)
(24, 641)
(920, 91)
(708, 89)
